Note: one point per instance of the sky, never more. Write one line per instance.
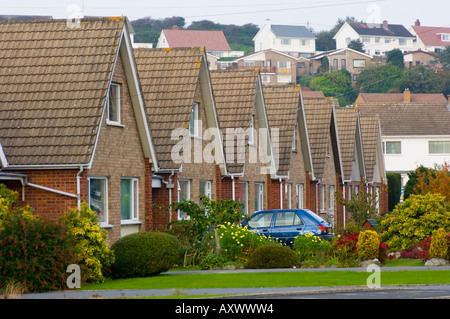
(318, 14)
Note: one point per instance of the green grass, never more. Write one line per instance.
(404, 263)
(274, 279)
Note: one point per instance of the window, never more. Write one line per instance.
(335, 64)
(322, 198)
(284, 78)
(439, 147)
(359, 63)
(355, 77)
(285, 41)
(299, 193)
(249, 63)
(365, 39)
(183, 194)
(265, 78)
(259, 196)
(284, 64)
(287, 195)
(377, 40)
(287, 219)
(243, 196)
(387, 40)
(445, 37)
(393, 148)
(331, 195)
(98, 197)
(343, 64)
(129, 199)
(193, 121)
(251, 132)
(301, 65)
(402, 41)
(348, 40)
(304, 42)
(261, 220)
(114, 104)
(205, 188)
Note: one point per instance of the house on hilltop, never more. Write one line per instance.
(430, 39)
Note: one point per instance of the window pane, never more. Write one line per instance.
(258, 196)
(243, 196)
(114, 106)
(261, 220)
(97, 198)
(193, 121)
(125, 198)
(393, 148)
(439, 147)
(183, 194)
(136, 199)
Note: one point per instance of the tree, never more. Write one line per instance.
(444, 58)
(335, 84)
(394, 189)
(421, 79)
(356, 45)
(395, 57)
(378, 79)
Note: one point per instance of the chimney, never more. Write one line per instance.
(268, 24)
(417, 23)
(385, 25)
(175, 27)
(406, 96)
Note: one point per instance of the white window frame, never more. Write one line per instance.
(205, 188)
(116, 88)
(445, 37)
(249, 63)
(284, 64)
(288, 196)
(440, 147)
(182, 215)
(322, 198)
(244, 200)
(259, 196)
(134, 199)
(385, 145)
(193, 120)
(359, 63)
(331, 196)
(299, 193)
(102, 221)
(285, 41)
(251, 132)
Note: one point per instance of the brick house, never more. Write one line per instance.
(181, 113)
(250, 165)
(327, 170)
(283, 104)
(73, 125)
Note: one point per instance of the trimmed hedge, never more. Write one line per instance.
(273, 256)
(144, 254)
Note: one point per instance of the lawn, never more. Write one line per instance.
(274, 279)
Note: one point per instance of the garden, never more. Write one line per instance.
(35, 253)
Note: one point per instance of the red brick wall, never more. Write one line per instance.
(160, 203)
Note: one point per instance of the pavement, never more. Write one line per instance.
(207, 292)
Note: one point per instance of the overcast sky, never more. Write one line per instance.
(319, 14)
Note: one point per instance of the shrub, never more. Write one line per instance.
(94, 255)
(34, 252)
(414, 220)
(368, 245)
(272, 256)
(212, 261)
(144, 254)
(438, 247)
(237, 243)
(308, 246)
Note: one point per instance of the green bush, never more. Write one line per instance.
(144, 254)
(272, 256)
(309, 246)
(414, 220)
(212, 261)
(93, 252)
(439, 246)
(34, 252)
(368, 245)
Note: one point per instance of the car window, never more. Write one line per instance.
(288, 218)
(261, 220)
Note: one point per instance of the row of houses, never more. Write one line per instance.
(84, 117)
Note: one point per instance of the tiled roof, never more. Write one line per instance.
(369, 133)
(318, 121)
(291, 31)
(431, 36)
(234, 94)
(211, 40)
(376, 29)
(308, 94)
(53, 83)
(169, 79)
(410, 119)
(399, 98)
(347, 124)
(282, 103)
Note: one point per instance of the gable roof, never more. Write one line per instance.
(371, 139)
(399, 98)
(349, 139)
(282, 104)
(431, 36)
(234, 94)
(211, 40)
(377, 29)
(169, 79)
(54, 81)
(291, 31)
(337, 51)
(410, 119)
(320, 120)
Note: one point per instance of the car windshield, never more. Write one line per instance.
(316, 218)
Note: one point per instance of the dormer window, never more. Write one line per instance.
(445, 37)
(114, 104)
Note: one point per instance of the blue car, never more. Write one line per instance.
(286, 224)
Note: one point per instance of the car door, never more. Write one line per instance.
(287, 226)
(261, 223)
